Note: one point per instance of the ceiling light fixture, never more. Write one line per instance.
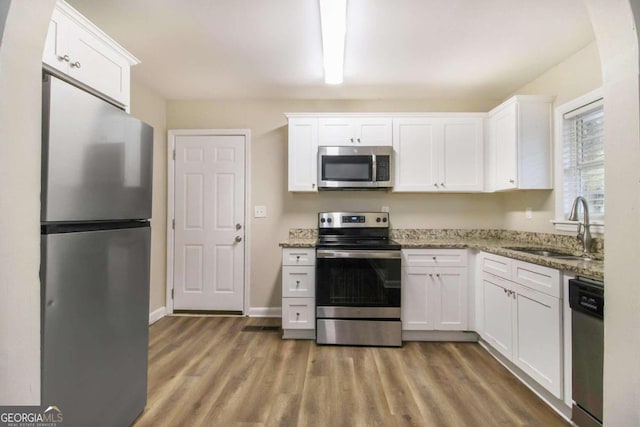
(333, 20)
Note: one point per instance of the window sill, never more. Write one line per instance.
(597, 227)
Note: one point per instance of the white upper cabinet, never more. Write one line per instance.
(348, 130)
(520, 143)
(303, 154)
(78, 49)
(438, 154)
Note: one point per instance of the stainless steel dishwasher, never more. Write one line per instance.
(586, 298)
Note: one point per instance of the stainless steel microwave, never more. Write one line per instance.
(341, 168)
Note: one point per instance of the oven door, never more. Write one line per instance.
(358, 283)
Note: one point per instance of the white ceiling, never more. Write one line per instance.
(203, 49)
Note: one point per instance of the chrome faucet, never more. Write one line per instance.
(584, 235)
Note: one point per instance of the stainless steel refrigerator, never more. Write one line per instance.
(95, 249)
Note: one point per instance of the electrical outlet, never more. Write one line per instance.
(260, 211)
(527, 213)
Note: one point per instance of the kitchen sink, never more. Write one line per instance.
(551, 254)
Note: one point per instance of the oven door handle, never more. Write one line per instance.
(358, 254)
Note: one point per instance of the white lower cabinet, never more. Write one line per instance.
(298, 293)
(525, 324)
(434, 298)
(498, 326)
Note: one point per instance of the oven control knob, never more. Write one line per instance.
(378, 219)
(329, 220)
(384, 219)
(322, 220)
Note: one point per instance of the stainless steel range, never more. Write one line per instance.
(358, 287)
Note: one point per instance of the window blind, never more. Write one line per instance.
(583, 158)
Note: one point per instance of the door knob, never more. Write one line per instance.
(238, 226)
(238, 239)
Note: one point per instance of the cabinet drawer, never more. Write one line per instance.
(298, 256)
(434, 257)
(537, 277)
(497, 265)
(298, 281)
(298, 313)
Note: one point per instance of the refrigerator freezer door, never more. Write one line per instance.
(95, 300)
(96, 159)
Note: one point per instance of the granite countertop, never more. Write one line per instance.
(492, 241)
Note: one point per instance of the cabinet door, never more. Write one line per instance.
(498, 323)
(416, 299)
(303, 154)
(336, 131)
(462, 153)
(98, 65)
(505, 138)
(450, 299)
(538, 347)
(415, 144)
(56, 49)
(374, 131)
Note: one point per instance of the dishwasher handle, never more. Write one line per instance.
(587, 298)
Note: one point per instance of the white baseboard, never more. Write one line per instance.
(445, 336)
(157, 314)
(265, 312)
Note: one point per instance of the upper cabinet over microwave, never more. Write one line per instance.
(354, 131)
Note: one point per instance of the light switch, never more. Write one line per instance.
(527, 213)
(260, 211)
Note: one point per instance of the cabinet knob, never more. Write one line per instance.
(297, 257)
(351, 139)
(238, 226)
(437, 274)
(75, 64)
(297, 314)
(297, 283)
(435, 185)
(64, 58)
(358, 140)
(434, 258)
(512, 181)
(313, 186)
(238, 239)
(430, 274)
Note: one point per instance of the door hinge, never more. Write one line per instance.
(174, 154)
(173, 224)
(171, 293)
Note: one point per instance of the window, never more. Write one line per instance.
(580, 157)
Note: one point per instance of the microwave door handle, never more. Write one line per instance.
(374, 173)
(357, 254)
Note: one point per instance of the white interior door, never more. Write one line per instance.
(209, 222)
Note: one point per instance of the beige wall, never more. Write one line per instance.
(298, 210)
(577, 75)
(20, 117)
(150, 108)
(617, 36)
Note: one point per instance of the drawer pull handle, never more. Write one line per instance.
(297, 283)
(75, 64)
(64, 58)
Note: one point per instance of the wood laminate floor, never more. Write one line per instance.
(207, 371)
